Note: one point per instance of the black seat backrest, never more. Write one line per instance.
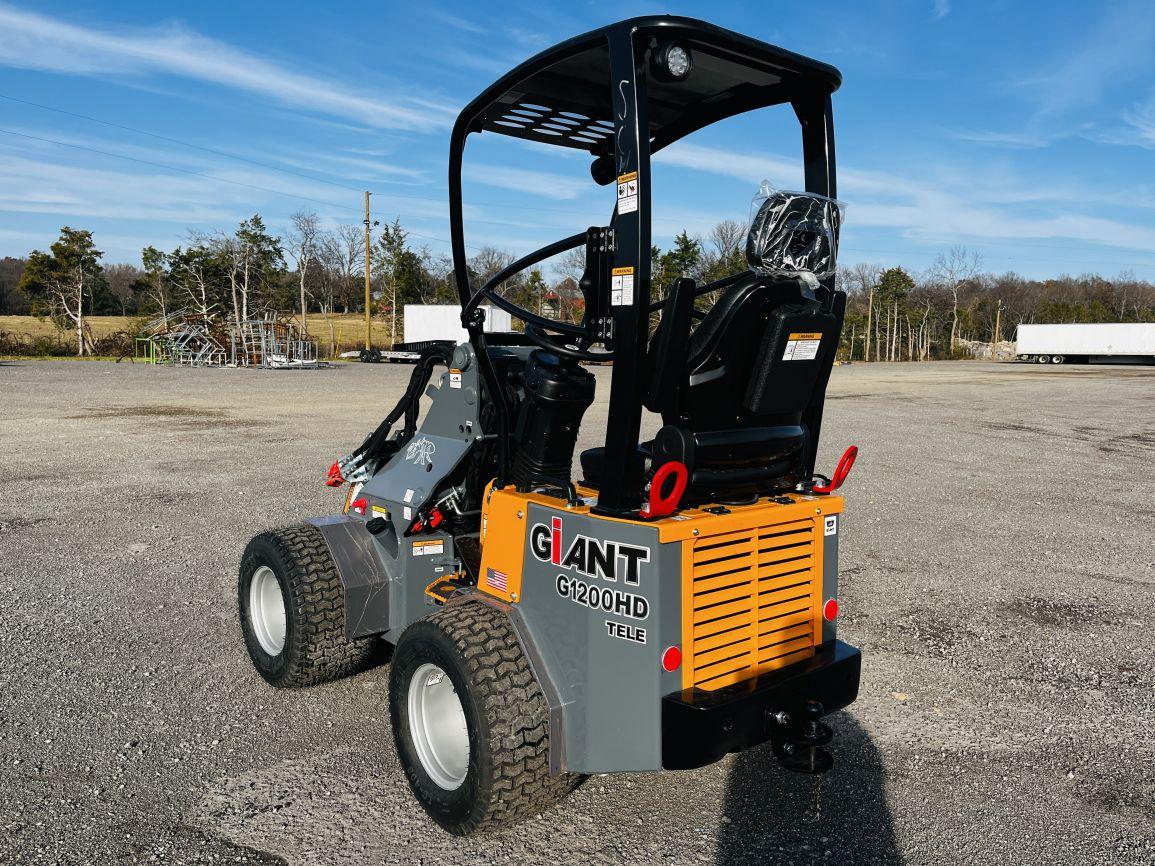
(666, 357)
(755, 356)
(741, 395)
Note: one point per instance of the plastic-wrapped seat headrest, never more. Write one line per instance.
(793, 233)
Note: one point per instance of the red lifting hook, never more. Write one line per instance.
(662, 506)
(840, 472)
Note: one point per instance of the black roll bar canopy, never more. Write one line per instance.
(598, 92)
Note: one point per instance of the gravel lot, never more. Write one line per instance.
(999, 561)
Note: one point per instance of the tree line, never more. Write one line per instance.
(892, 313)
(249, 272)
(898, 315)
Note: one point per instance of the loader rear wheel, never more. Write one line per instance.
(470, 721)
(292, 608)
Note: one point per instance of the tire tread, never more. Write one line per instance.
(516, 712)
(321, 653)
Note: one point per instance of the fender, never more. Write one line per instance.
(557, 753)
(364, 579)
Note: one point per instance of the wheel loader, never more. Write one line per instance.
(676, 599)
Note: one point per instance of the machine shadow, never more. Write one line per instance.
(772, 813)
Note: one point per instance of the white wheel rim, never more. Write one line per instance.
(267, 610)
(437, 724)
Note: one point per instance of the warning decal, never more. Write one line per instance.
(622, 287)
(428, 548)
(802, 347)
(627, 193)
(454, 378)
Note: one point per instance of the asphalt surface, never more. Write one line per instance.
(998, 559)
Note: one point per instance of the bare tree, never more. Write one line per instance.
(349, 251)
(952, 270)
(301, 246)
(156, 277)
(120, 278)
(192, 272)
(862, 280)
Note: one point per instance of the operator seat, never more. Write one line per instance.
(741, 394)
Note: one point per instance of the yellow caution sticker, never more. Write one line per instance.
(802, 347)
(622, 287)
(627, 192)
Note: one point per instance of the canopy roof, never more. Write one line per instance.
(562, 96)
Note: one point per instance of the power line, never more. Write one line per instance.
(170, 167)
(182, 143)
(977, 243)
(204, 175)
(269, 166)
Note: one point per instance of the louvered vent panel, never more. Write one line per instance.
(753, 596)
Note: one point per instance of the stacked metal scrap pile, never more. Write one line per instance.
(187, 338)
(273, 342)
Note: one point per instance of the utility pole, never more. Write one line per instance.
(999, 321)
(368, 298)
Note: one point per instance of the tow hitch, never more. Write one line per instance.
(798, 740)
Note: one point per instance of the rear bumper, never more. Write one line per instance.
(700, 727)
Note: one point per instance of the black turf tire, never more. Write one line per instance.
(315, 649)
(508, 779)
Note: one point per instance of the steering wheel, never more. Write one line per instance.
(561, 338)
(577, 348)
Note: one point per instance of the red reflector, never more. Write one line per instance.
(360, 505)
(830, 609)
(672, 658)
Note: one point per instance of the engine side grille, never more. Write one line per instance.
(751, 601)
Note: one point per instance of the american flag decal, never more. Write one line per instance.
(497, 579)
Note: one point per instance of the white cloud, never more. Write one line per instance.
(456, 21)
(1111, 52)
(752, 168)
(941, 8)
(34, 41)
(1141, 121)
(963, 205)
(555, 186)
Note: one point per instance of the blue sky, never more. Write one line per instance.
(1025, 131)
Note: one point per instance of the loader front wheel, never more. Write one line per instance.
(470, 721)
(292, 610)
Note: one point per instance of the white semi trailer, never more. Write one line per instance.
(425, 322)
(1071, 344)
(432, 323)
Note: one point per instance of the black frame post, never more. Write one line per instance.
(816, 115)
(473, 320)
(621, 487)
